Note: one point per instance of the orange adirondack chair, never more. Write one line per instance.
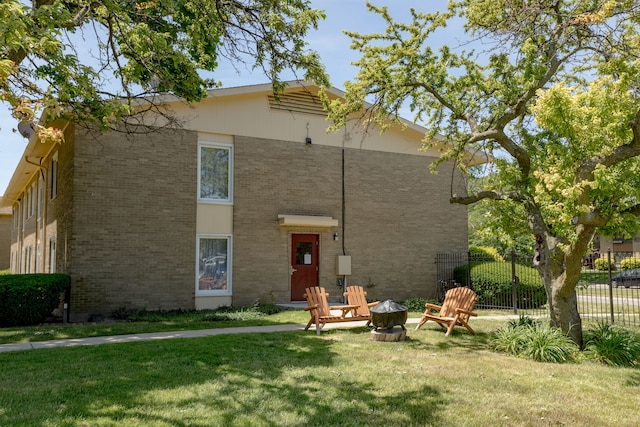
(356, 295)
(454, 311)
(320, 310)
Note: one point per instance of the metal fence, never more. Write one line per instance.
(514, 287)
(612, 294)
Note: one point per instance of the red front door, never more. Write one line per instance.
(304, 264)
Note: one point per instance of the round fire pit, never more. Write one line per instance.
(384, 317)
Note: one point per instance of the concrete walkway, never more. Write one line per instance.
(154, 336)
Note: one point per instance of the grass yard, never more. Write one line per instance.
(339, 378)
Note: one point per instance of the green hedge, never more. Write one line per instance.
(28, 299)
(492, 282)
(602, 264)
(629, 263)
(484, 253)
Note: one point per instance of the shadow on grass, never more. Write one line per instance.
(246, 379)
(634, 378)
(459, 340)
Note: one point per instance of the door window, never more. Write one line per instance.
(303, 253)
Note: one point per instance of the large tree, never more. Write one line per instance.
(551, 94)
(102, 61)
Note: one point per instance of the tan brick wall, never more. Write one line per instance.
(5, 239)
(398, 216)
(132, 241)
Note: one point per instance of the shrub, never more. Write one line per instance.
(414, 304)
(527, 338)
(221, 313)
(492, 281)
(28, 299)
(629, 263)
(268, 309)
(485, 253)
(602, 264)
(612, 345)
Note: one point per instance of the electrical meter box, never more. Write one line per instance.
(343, 265)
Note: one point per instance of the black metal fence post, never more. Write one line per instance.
(514, 283)
(610, 284)
(469, 284)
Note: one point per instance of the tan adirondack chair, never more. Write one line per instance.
(456, 310)
(356, 295)
(320, 310)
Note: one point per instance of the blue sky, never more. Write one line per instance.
(329, 41)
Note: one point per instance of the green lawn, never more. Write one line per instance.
(594, 276)
(339, 378)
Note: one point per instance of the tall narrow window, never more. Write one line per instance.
(28, 200)
(40, 208)
(52, 255)
(23, 209)
(36, 261)
(15, 216)
(53, 176)
(214, 273)
(215, 180)
(29, 261)
(34, 198)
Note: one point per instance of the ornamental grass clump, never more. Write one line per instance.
(612, 345)
(529, 339)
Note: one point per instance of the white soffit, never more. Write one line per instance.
(307, 221)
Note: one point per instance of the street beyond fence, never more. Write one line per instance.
(611, 294)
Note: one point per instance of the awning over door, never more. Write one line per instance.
(307, 221)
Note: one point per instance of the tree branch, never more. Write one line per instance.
(482, 195)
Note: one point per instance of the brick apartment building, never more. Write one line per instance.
(251, 199)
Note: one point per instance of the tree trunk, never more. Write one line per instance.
(560, 272)
(564, 311)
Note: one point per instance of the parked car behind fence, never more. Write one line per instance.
(626, 278)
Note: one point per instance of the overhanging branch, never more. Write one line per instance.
(485, 195)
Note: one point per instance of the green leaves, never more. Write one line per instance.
(87, 61)
(551, 97)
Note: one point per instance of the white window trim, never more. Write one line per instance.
(229, 290)
(222, 145)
